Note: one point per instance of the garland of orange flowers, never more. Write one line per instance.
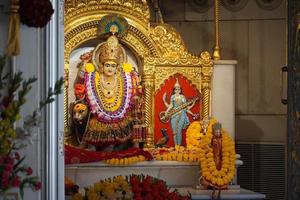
(217, 178)
(177, 153)
(126, 160)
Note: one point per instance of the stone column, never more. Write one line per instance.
(223, 94)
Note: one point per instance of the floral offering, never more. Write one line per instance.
(137, 187)
(14, 173)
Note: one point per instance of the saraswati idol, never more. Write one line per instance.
(108, 90)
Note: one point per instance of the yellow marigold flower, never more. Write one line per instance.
(179, 157)
(141, 158)
(108, 192)
(214, 180)
(165, 156)
(127, 67)
(220, 182)
(98, 187)
(215, 173)
(93, 196)
(125, 161)
(89, 67)
(119, 179)
(117, 161)
(191, 157)
(77, 196)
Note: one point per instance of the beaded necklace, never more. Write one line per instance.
(109, 96)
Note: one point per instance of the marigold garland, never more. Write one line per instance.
(210, 174)
(177, 153)
(126, 160)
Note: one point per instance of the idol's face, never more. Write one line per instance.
(177, 90)
(217, 133)
(110, 68)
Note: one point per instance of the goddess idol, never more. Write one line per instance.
(108, 88)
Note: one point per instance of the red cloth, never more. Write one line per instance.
(79, 90)
(77, 155)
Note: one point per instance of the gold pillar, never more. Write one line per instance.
(149, 108)
(207, 70)
(206, 100)
(217, 48)
(66, 103)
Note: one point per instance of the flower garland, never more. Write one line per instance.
(177, 153)
(190, 153)
(210, 174)
(126, 161)
(137, 187)
(95, 102)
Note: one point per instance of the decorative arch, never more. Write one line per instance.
(159, 47)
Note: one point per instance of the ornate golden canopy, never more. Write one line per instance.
(159, 46)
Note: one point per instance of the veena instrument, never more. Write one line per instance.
(166, 116)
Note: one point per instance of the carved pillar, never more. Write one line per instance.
(66, 103)
(149, 108)
(207, 70)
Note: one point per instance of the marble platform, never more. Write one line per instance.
(176, 174)
(231, 194)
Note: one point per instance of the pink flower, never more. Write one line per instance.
(9, 167)
(5, 179)
(37, 185)
(9, 160)
(16, 181)
(28, 171)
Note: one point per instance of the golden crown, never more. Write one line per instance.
(111, 50)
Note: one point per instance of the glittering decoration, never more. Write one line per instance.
(113, 24)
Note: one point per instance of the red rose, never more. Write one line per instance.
(173, 196)
(16, 181)
(148, 196)
(138, 197)
(5, 179)
(134, 180)
(37, 185)
(9, 167)
(28, 171)
(136, 189)
(155, 192)
(9, 160)
(164, 193)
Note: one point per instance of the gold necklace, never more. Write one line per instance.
(109, 96)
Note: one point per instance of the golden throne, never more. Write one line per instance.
(158, 50)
